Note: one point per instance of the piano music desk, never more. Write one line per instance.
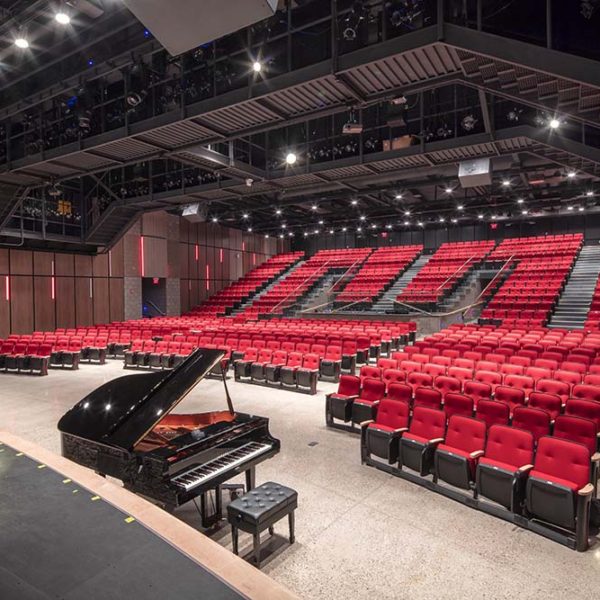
(68, 533)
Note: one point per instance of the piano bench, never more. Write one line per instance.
(260, 509)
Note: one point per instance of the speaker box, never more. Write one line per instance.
(194, 213)
(180, 25)
(474, 173)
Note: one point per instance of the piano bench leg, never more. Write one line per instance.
(256, 537)
(292, 522)
(234, 538)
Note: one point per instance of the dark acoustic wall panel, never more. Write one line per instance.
(116, 299)
(101, 300)
(65, 302)
(43, 263)
(115, 260)
(84, 313)
(44, 304)
(184, 293)
(4, 262)
(100, 265)
(83, 265)
(64, 264)
(21, 303)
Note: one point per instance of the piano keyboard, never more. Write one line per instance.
(203, 473)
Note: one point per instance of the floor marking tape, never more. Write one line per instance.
(19, 454)
(41, 466)
(94, 498)
(129, 520)
(66, 481)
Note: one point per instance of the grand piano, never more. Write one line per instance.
(126, 429)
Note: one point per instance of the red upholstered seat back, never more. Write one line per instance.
(428, 423)
(578, 430)
(586, 392)
(279, 357)
(400, 392)
(588, 409)
(392, 413)
(387, 363)
(535, 420)
(311, 361)
(428, 397)
(465, 433)
(563, 459)
(458, 404)
(373, 389)
(493, 412)
(264, 356)
(333, 353)
(251, 354)
(349, 385)
(369, 371)
(509, 445)
(294, 359)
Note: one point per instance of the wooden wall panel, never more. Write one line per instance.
(184, 230)
(64, 264)
(101, 301)
(42, 263)
(44, 305)
(4, 261)
(184, 261)
(173, 262)
(21, 303)
(100, 265)
(131, 250)
(192, 263)
(155, 257)
(117, 299)
(65, 302)
(115, 260)
(184, 291)
(155, 224)
(84, 314)
(194, 298)
(21, 262)
(83, 265)
(4, 309)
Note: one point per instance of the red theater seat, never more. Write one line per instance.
(338, 405)
(381, 436)
(427, 429)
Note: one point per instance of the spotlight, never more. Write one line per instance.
(407, 222)
(354, 202)
(388, 226)
(581, 209)
(249, 229)
(291, 158)
(344, 229)
(331, 231)
(520, 201)
(398, 196)
(469, 122)
(353, 126)
(266, 236)
(554, 123)
(448, 190)
(62, 18)
(407, 213)
(278, 211)
(571, 174)
(420, 223)
(442, 219)
(460, 207)
(506, 183)
(245, 216)
(359, 229)
(524, 212)
(480, 216)
(569, 207)
(363, 218)
(321, 222)
(493, 217)
(306, 234)
(283, 226)
(21, 42)
(314, 207)
(257, 67)
(290, 234)
(373, 226)
(316, 232)
(281, 235)
(454, 220)
(215, 220)
(589, 193)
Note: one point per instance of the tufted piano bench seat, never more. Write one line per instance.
(260, 509)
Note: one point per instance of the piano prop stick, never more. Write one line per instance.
(126, 429)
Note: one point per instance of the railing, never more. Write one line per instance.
(323, 266)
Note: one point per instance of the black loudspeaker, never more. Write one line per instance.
(180, 25)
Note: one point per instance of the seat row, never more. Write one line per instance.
(544, 486)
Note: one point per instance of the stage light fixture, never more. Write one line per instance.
(506, 183)
(62, 17)
(306, 234)
(21, 42)
(266, 236)
(314, 207)
(283, 226)
(321, 222)
(331, 231)
(388, 226)
(363, 218)
(554, 123)
(344, 229)
(245, 216)
(460, 207)
(407, 213)
(359, 229)
(215, 220)
(524, 212)
(581, 209)
(354, 202)
(589, 193)
(571, 174)
(407, 222)
(249, 229)
(455, 220)
(448, 190)
(281, 235)
(570, 207)
(278, 211)
(420, 223)
(291, 158)
(520, 201)
(316, 232)
(373, 226)
(290, 234)
(398, 196)
(256, 66)
(442, 219)
(480, 216)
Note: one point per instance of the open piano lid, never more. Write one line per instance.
(122, 411)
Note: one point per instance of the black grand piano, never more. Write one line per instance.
(125, 429)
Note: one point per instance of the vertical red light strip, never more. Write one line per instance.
(253, 258)
(243, 246)
(142, 266)
(53, 284)
(207, 277)
(197, 251)
(110, 263)
(8, 288)
(221, 254)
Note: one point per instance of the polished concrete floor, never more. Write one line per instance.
(359, 532)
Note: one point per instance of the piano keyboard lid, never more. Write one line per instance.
(122, 411)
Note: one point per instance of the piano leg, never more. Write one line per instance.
(234, 538)
(250, 478)
(218, 503)
(292, 522)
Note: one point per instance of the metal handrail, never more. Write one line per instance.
(358, 260)
(299, 285)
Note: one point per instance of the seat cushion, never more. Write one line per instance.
(380, 427)
(466, 455)
(364, 402)
(557, 480)
(415, 438)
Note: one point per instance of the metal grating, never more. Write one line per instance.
(177, 135)
(126, 149)
(241, 116)
(342, 172)
(408, 162)
(83, 161)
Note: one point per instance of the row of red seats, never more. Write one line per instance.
(247, 285)
(377, 273)
(444, 271)
(541, 267)
(301, 280)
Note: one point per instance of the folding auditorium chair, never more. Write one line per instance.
(463, 374)
(390, 376)
(259, 367)
(586, 392)
(381, 436)
(38, 361)
(243, 367)
(349, 351)
(154, 358)
(534, 420)
(331, 363)
(166, 359)
(288, 372)
(434, 370)
(370, 371)
(400, 392)
(427, 397)
(184, 351)
(338, 405)
(551, 386)
(142, 357)
(583, 431)
(308, 374)
(365, 406)
(426, 430)
(510, 396)
(455, 459)
(387, 363)
(457, 404)
(493, 412)
(272, 370)
(551, 403)
(447, 385)
(12, 360)
(559, 490)
(417, 380)
(503, 469)
(588, 409)
(477, 390)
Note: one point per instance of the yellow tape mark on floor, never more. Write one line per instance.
(41, 466)
(19, 454)
(66, 481)
(74, 491)
(94, 498)
(129, 520)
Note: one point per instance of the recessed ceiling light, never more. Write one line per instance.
(407, 213)
(554, 124)
(506, 183)
(448, 190)
(291, 158)
(21, 42)
(62, 18)
(571, 174)
(569, 207)
(524, 212)
(256, 66)
(362, 217)
(460, 207)
(520, 201)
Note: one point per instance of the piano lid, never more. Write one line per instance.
(122, 411)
